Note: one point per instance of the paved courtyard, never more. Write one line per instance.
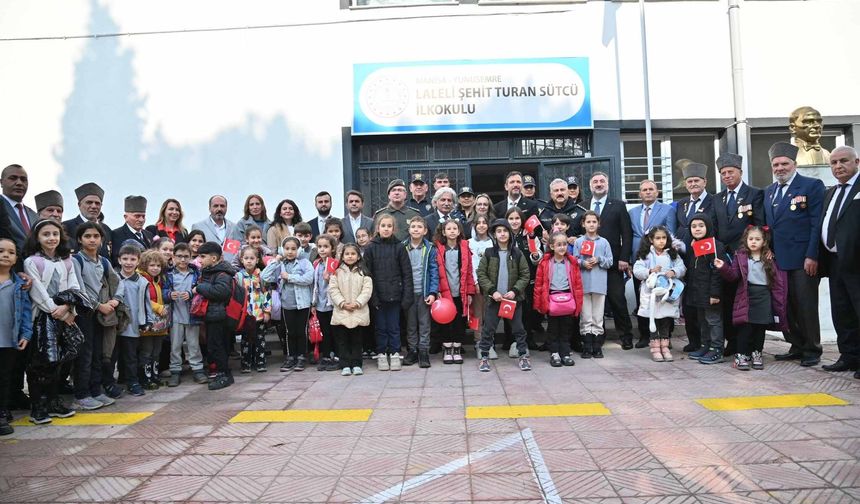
(626, 430)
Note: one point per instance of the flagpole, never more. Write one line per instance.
(648, 148)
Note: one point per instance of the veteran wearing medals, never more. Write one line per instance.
(793, 206)
(737, 206)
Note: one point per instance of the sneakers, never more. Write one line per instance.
(555, 360)
(741, 363)
(411, 358)
(333, 364)
(113, 391)
(221, 381)
(357, 371)
(200, 377)
(173, 381)
(300, 363)
(87, 404)
(213, 371)
(698, 354)
(757, 360)
(396, 362)
(457, 352)
(137, 390)
(39, 412)
(165, 374)
(5, 428)
(513, 353)
(289, 363)
(57, 409)
(382, 362)
(567, 360)
(261, 368)
(714, 356)
(423, 359)
(448, 353)
(245, 369)
(484, 365)
(323, 364)
(152, 385)
(346, 372)
(104, 399)
(525, 364)
(493, 354)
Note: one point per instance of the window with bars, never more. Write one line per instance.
(549, 147)
(476, 149)
(374, 185)
(394, 153)
(667, 150)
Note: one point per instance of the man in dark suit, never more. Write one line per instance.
(21, 218)
(737, 206)
(443, 201)
(49, 205)
(793, 206)
(354, 218)
(132, 230)
(514, 189)
(695, 179)
(90, 197)
(615, 227)
(840, 256)
(322, 202)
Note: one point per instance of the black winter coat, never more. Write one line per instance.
(215, 284)
(702, 280)
(389, 266)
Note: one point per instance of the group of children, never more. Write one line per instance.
(178, 300)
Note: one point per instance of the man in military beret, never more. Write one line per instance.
(793, 206)
(132, 230)
(737, 206)
(49, 205)
(90, 197)
(418, 201)
(397, 208)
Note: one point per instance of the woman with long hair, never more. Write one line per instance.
(287, 215)
(169, 223)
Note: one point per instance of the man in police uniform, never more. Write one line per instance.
(561, 202)
(397, 208)
(737, 206)
(466, 203)
(419, 201)
(530, 189)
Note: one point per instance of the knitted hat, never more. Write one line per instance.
(48, 198)
(89, 189)
(395, 183)
(729, 159)
(500, 222)
(135, 204)
(782, 149)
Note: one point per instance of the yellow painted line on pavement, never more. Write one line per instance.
(537, 410)
(94, 419)
(277, 416)
(771, 401)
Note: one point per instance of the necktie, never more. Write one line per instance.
(139, 236)
(834, 216)
(21, 215)
(777, 199)
(645, 218)
(691, 210)
(732, 205)
(597, 207)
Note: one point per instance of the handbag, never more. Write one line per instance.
(561, 304)
(199, 305)
(315, 334)
(161, 325)
(276, 304)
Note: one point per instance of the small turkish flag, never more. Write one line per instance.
(532, 244)
(267, 259)
(507, 309)
(587, 248)
(705, 246)
(531, 224)
(231, 246)
(331, 265)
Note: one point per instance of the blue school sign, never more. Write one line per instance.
(470, 95)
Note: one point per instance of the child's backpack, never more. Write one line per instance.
(237, 306)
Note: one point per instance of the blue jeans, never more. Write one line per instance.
(388, 328)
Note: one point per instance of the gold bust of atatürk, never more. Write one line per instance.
(806, 125)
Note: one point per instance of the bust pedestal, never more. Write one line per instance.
(820, 172)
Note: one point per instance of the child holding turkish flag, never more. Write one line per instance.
(594, 255)
(702, 295)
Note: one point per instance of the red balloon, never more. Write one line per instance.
(443, 310)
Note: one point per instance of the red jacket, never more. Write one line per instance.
(467, 284)
(541, 298)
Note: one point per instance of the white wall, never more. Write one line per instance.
(216, 106)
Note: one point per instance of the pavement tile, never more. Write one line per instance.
(79, 466)
(657, 482)
(558, 441)
(136, 466)
(39, 489)
(373, 428)
(196, 465)
(568, 460)
(505, 486)
(238, 430)
(624, 458)
(685, 456)
(285, 430)
(595, 423)
(383, 444)
(816, 495)
(720, 435)
(775, 432)
(448, 488)
(26, 466)
(272, 446)
(220, 446)
(373, 464)
(233, 488)
(491, 425)
(502, 462)
(784, 476)
(747, 417)
(421, 462)
(582, 485)
(168, 488)
(609, 439)
(738, 498)
(255, 465)
(299, 489)
(455, 426)
(840, 473)
(748, 453)
(835, 429)
(439, 443)
(809, 450)
(315, 465)
(102, 489)
(713, 480)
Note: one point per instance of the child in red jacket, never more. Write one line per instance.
(558, 293)
(455, 283)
